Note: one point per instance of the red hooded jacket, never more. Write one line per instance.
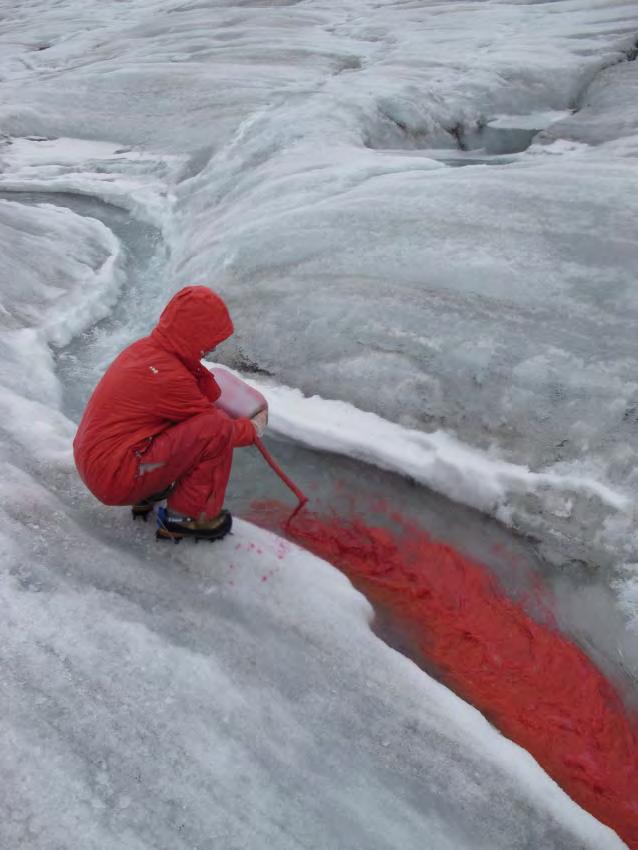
(153, 384)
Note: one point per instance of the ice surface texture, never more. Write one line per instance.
(496, 303)
(279, 151)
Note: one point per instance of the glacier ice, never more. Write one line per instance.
(294, 156)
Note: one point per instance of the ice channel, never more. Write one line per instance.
(351, 487)
(336, 481)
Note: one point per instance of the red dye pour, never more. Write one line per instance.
(537, 687)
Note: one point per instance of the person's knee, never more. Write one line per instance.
(215, 432)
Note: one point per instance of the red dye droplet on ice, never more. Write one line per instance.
(536, 686)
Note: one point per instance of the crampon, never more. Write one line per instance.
(170, 528)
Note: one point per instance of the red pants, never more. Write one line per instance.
(197, 456)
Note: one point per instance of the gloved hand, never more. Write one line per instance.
(260, 420)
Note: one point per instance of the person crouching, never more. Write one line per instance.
(150, 429)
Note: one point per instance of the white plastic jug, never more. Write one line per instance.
(237, 398)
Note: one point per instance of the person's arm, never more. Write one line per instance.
(244, 432)
(177, 397)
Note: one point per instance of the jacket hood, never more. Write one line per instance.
(194, 321)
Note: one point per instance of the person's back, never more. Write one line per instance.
(151, 423)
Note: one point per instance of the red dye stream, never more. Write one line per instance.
(536, 686)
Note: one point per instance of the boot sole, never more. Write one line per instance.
(164, 534)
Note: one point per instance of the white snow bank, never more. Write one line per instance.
(62, 272)
(438, 460)
(74, 264)
(135, 179)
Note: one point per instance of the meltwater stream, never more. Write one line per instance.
(335, 482)
(350, 499)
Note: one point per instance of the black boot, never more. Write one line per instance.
(174, 528)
